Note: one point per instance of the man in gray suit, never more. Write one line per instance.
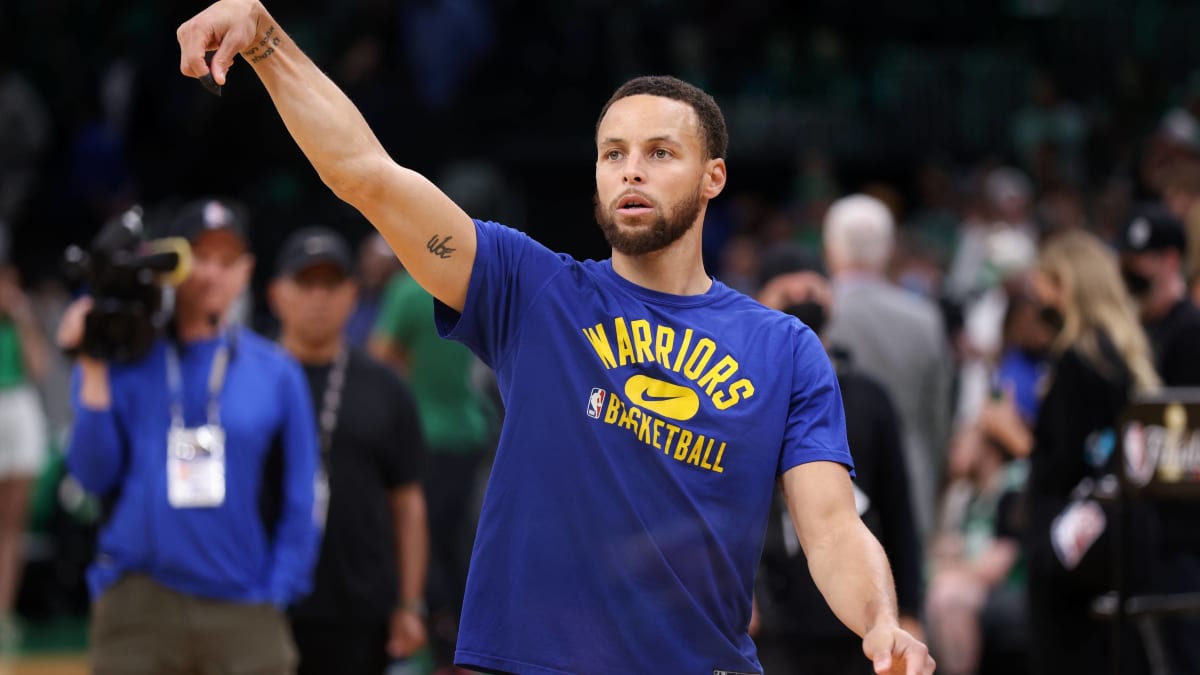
(893, 335)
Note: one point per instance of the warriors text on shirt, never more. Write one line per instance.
(639, 342)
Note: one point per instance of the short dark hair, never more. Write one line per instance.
(713, 133)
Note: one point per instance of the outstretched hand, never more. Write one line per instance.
(227, 28)
(895, 651)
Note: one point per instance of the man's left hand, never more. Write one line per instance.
(406, 634)
(895, 651)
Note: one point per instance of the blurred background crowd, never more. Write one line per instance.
(971, 134)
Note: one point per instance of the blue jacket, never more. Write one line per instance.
(260, 545)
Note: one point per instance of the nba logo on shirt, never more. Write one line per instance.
(595, 403)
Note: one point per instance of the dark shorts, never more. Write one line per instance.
(345, 648)
(140, 626)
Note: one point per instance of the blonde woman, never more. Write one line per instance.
(1102, 357)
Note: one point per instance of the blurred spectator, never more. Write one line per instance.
(1151, 246)
(367, 602)
(377, 264)
(976, 603)
(1010, 254)
(1181, 195)
(204, 452)
(1175, 139)
(1101, 357)
(892, 335)
(977, 609)
(1007, 205)
(458, 423)
(797, 630)
(24, 355)
(1020, 375)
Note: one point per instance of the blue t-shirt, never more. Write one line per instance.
(643, 435)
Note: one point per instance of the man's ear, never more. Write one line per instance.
(714, 178)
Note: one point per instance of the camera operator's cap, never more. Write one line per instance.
(209, 214)
(1151, 228)
(311, 246)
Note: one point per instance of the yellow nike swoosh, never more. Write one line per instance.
(664, 398)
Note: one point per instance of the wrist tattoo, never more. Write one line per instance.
(264, 48)
(439, 247)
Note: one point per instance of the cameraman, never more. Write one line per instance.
(205, 453)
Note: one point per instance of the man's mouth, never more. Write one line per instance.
(634, 205)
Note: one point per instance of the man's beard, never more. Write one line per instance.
(640, 240)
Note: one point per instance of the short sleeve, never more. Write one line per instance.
(816, 419)
(509, 272)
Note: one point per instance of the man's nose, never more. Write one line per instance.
(634, 171)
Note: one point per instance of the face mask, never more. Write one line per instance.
(811, 313)
(1052, 317)
(1137, 283)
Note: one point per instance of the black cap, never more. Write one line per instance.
(1151, 228)
(211, 213)
(313, 245)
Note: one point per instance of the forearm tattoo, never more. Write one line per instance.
(264, 48)
(440, 247)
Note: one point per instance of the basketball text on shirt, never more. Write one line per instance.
(681, 444)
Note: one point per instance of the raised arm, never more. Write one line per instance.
(433, 237)
(849, 566)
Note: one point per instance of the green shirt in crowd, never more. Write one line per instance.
(455, 415)
(12, 370)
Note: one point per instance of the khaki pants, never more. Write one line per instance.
(140, 626)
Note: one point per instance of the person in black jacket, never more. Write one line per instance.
(796, 628)
(1152, 245)
(1102, 357)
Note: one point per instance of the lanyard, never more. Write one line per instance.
(331, 402)
(216, 380)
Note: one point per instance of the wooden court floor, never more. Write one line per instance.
(44, 665)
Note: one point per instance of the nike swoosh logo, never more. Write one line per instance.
(651, 398)
(662, 398)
